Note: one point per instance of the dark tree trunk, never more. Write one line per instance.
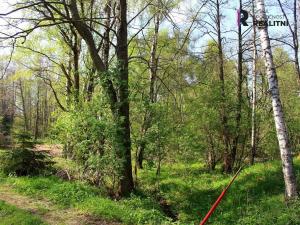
(106, 36)
(37, 113)
(126, 182)
(140, 154)
(118, 98)
(239, 96)
(91, 85)
(24, 108)
(76, 56)
(227, 160)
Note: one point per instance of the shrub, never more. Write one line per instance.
(24, 160)
(89, 136)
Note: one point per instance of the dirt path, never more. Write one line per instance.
(48, 212)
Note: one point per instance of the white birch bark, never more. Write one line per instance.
(281, 129)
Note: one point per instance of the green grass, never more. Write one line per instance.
(134, 210)
(256, 197)
(10, 215)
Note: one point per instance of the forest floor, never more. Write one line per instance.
(257, 197)
(46, 211)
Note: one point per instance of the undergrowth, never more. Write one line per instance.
(90, 200)
(256, 197)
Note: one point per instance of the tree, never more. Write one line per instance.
(118, 97)
(238, 116)
(281, 129)
(293, 28)
(254, 95)
(225, 130)
(153, 67)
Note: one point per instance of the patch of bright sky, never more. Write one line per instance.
(181, 16)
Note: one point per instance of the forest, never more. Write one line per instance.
(152, 112)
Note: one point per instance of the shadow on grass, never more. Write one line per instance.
(250, 194)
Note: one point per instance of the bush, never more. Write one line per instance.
(89, 136)
(24, 162)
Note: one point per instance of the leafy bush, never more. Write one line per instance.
(89, 136)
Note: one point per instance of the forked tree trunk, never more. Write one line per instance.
(118, 98)
(153, 64)
(281, 129)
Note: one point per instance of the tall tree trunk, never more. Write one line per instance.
(105, 51)
(29, 104)
(67, 73)
(296, 42)
(126, 182)
(76, 56)
(91, 85)
(118, 98)
(239, 95)
(227, 160)
(281, 129)
(46, 113)
(253, 114)
(37, 114)
(153, 72)
(106, 36)
(211, 154)
(24, 108)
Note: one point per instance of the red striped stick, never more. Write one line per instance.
(214, 206)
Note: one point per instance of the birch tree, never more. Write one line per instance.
(281, 128)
